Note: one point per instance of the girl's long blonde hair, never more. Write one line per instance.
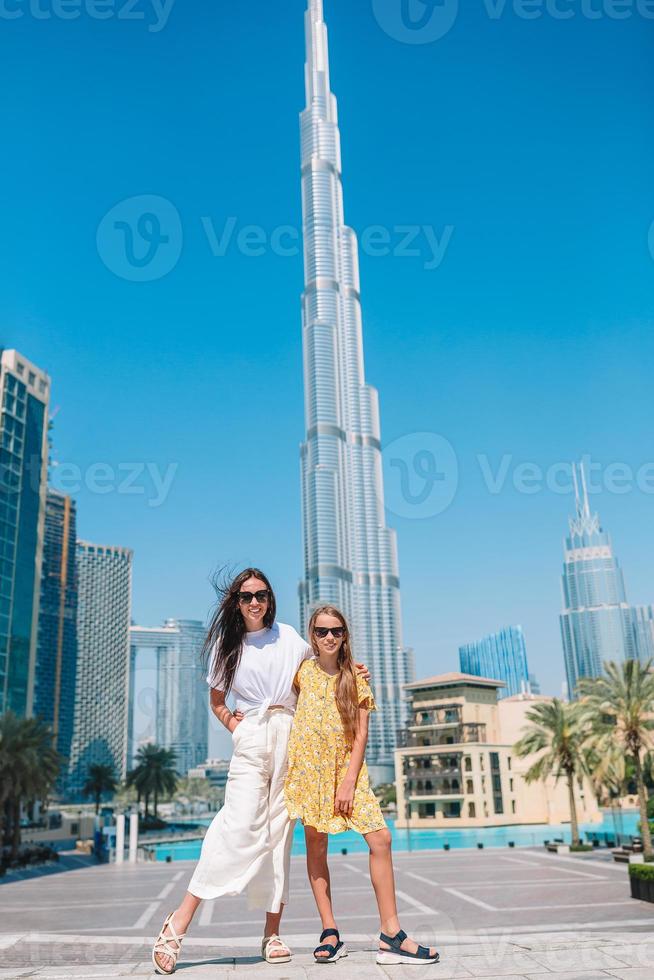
(347, 700)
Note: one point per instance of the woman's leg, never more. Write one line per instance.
(181, 920)
(319, 877)
(383, 881)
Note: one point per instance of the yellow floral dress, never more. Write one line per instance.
(318, 757)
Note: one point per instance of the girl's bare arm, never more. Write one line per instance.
(221, 711)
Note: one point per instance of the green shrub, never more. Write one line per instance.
(580, 847)
(643, 871)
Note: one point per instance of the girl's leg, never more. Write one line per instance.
(181, 920)
(383, 881)
(319, 877)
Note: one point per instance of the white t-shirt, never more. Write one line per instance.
(270, 660)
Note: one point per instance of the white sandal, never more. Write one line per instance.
(278, 943)
(162, 946)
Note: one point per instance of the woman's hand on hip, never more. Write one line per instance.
(363, 671)
(344, 802)
(237, 718)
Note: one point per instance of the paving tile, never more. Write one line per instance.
(633, 973)
(494, 976)
(498, 964)
(586, 959)
(634, 954)
(87, 972)
(577, 975)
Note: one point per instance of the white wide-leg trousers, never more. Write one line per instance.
(248, 844)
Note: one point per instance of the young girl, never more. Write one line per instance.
(328, 789)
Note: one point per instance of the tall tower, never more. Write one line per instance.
(597, 621)
(24, 400)
(56, 661)
(170, 708)
(104, 576)
(350, 556)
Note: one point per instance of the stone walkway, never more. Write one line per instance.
(521, 914)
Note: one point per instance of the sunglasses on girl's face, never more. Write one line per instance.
(247, 597)
(323, 631)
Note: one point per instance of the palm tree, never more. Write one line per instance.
(101, 780)
(555, 735)
(29, 768)
(619, 710)
(154, 774)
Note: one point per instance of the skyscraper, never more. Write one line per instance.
(104, 574)
(172, 711)
(643, 623)
(24, 399)
(350, 556)
(501, 656)
(56, 660)
(596, 622)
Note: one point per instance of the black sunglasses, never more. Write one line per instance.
(323, 631)
(247, 597)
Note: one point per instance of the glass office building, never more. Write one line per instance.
(169, 697)
(56, 659)
(502, 657)
(643, 625)
(597, 621)
(104, 579)
(350, 556)
(24, 400)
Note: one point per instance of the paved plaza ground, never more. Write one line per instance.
(510, 914)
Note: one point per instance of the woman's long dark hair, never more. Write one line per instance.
(223, 644)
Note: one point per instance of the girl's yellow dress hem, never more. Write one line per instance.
(318, 757)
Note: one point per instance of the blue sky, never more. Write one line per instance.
(531, 342)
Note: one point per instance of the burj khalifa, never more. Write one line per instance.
(350, 555)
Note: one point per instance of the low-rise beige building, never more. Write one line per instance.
(455, 765)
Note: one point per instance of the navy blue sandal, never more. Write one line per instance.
(335, 951)
(395, 955)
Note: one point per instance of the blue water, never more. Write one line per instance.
(430, 840)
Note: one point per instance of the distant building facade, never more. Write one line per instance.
(456, 765)
(174, 713)
(215, 770)
(534, 685)
(104, 575)
(24, 401)
(597, 621)
(643, 625)
(56, 661)
(502, 655)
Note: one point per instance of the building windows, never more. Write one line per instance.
(471, 810)
(511, 785)
(468, 764)
(469, 787)
(498, 802)
(512, 806)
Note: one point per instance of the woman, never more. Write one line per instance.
(327, 786)
(248, 844)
